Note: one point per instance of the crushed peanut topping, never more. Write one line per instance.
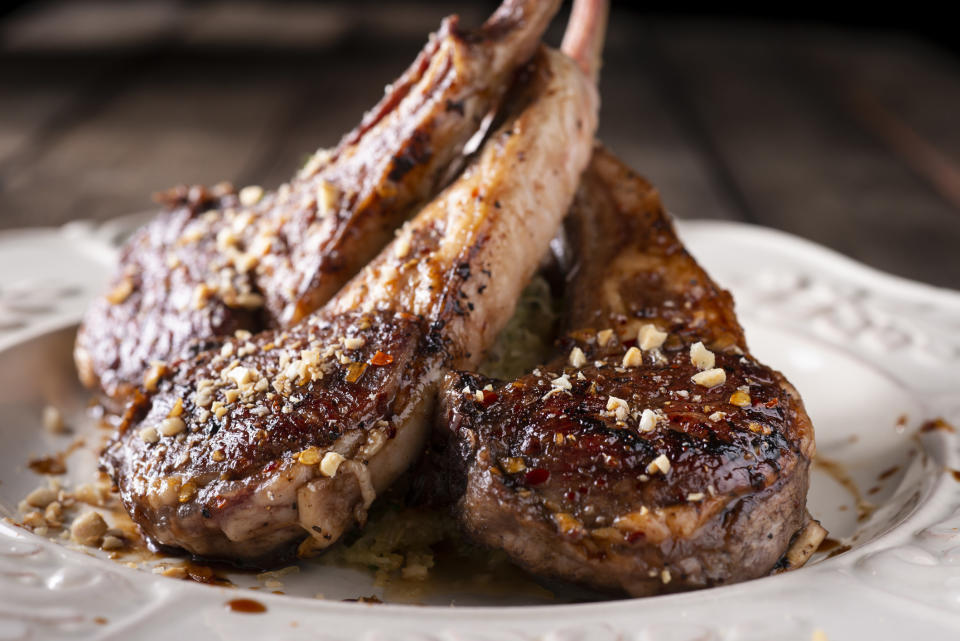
(41, 497)
(149, 435)
(121, 291)
(649, 337)
(88, 529)
(513, 464)
(53, 420)
(604, 336)
(665, 576)
(177, 409)
(701, 357)
(696, 496)
(153, 375)
(562, 383)
(577, 357)
(619, 407)
(250, 195)
(710, 377)
(401, 246)
(567, 523)
(327, 194)
(309, 456)
(660, 464)
(740, 399)
(353, 342)
(648, 420)
(633, 358)
(717, 416)
(331, 463)
(171, 426)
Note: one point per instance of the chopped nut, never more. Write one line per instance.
(604, 336)
(401, 246)
(717, 416)
(567, 523)
(309, 456)
(177, 409)
(149, 435)
(696, 496)
(248, 300)
(250, 195)
(331, 463)
(41, 497)
(740, 399)
(701, 357)
(633, 358)
(648, 420)
(659, 464)
(353, 342)
(121, 291)
(53, 515)
(153, 375)
(218, 456)
(92, 493)
(562, 382)
(171, 426)
(577, 358)
(326, 197)
(513, 464)
(650, 337)
(665, 576)
(34, 520)
(187, 491)
(619, 407)
(88, 529)
(242, 376)
(758, 428)
(218, 409)
(53, 420)
(710, 378)
(111, 542)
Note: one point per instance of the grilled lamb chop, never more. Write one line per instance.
(217, 261)
(243, 451)
(654, 454)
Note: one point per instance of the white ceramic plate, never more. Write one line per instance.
(874, 357)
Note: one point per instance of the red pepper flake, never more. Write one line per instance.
(536, 476)
(381, 358)
(773, 402)
(489, 398)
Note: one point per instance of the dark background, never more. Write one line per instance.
(835, 124)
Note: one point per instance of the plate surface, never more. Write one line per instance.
(875, 357)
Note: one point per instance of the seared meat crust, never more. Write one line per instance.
(218, 261)
(240, 452)
(611, 467)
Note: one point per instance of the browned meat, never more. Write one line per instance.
(245, 450)
(217, 262)
(654, 454)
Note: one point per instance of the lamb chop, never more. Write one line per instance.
(218, 262)
(654, 453)
(243, 451)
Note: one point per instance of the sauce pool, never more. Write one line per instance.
(246, 606)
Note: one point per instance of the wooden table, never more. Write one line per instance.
(850, 140)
